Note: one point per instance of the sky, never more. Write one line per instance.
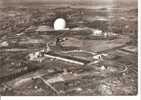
(81, 2)
(67, 0)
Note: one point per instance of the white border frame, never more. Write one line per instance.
(138, 97)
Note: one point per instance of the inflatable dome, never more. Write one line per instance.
(59, 24)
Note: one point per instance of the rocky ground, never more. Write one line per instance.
(35, 61)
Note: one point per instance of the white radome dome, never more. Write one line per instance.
(59, 24)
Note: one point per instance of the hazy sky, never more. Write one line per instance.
(81, 2)
(67, 0)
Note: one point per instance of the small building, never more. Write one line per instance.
(43, 28)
